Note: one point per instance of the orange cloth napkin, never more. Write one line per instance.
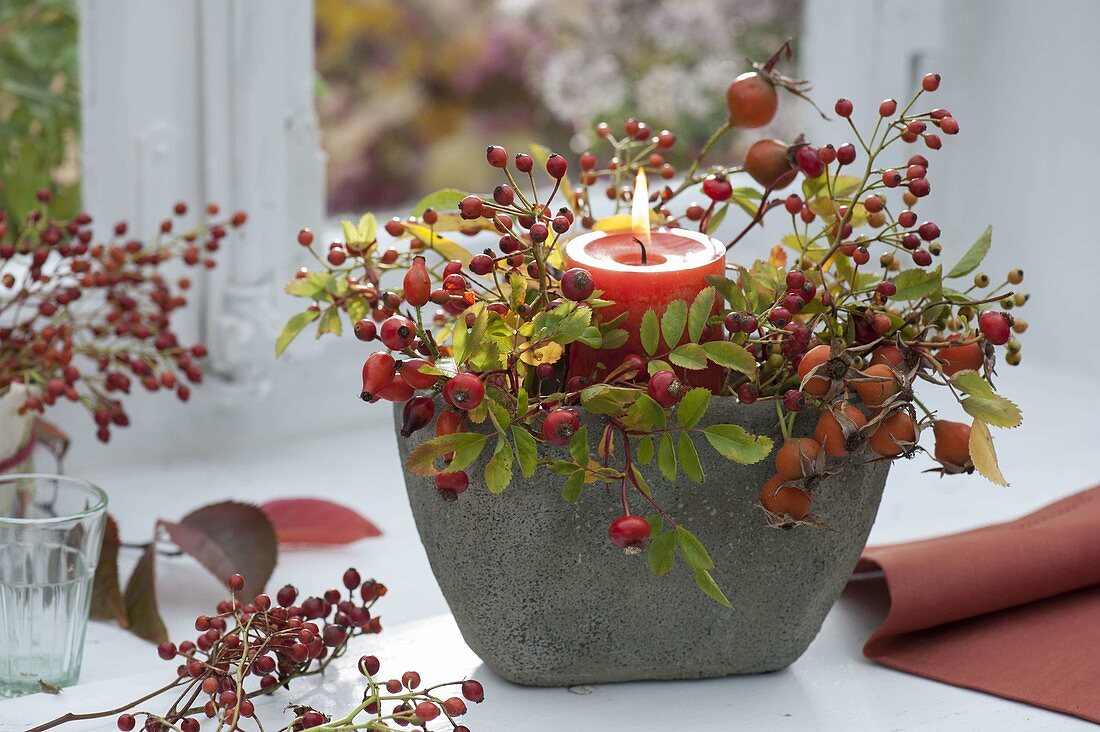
(1011, 609)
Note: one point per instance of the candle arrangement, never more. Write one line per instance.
(641, 321)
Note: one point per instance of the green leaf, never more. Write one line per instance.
(578, 446)
(717, 218)
(465, 445)
(498, 471)
(698, 313)
(689, 458)
(973, 256)
(644, 452)
(729, 290)
(657, 365)
(571, 491)
(607, 399)
(330, 322)
(614, 338)
(692, 407)
(367, 228)
(526, 450)
(522, 403)
(731, 356)
(735, 443)
(746, 198)
(443, 201)
(707, 584)
(662, 553)
(692, 550)
(292, 328)
(673, 322)
(499, 414)
(650, 332)
(689, 356)
(666, 457)
(647, 412)
(915, 283)
(995, 410)
(643, 484)
(985, 404)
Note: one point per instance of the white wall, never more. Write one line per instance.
(210, 100)
(1021, 77)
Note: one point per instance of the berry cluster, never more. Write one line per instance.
(85, 320)
(249, 649)
(847, 314)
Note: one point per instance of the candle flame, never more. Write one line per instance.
(639, 209)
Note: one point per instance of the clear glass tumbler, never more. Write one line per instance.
(51, 531)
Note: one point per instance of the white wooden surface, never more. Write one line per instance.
(831, 688)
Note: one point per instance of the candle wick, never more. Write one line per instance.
(645, 258)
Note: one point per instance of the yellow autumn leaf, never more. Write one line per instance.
(550, 353)
(778, 257)
(446, 248)
(592, 475)
(622, 222)
(983, 453)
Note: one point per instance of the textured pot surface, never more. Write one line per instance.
(544, 598)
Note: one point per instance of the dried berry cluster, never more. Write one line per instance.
(249, 649)
(848, 314)
(83, 319)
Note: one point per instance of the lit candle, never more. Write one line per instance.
(638, 270)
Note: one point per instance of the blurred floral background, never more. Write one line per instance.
(39, 105)
(407, 88)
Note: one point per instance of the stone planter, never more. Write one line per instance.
(544, 598)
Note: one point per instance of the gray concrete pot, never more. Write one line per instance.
(544, 598)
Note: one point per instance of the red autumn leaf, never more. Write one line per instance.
(106, 590)
(141, 599)
(313, 521)
(229, 538)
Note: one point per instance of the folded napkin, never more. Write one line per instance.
(1011, 609)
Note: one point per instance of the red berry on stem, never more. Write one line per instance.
(665, 388)
(397, 332)
(378, 372)
(560, 426)
(524, 163)
(418, 412)
(556, 166)
(930, 82)
(417, 283)
(497, 156)
(751, 100)
(464, 391)
(766, 161)
(473, 691)
(455, 481)
(126, 722)
(717, 187)
(887, 107)
(628, 532)
(843, 108)
(996, 327)
(365, 330)
(577, 284)
(305, 237)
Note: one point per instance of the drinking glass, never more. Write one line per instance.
(51, 530)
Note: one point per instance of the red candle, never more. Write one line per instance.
(677, 262)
